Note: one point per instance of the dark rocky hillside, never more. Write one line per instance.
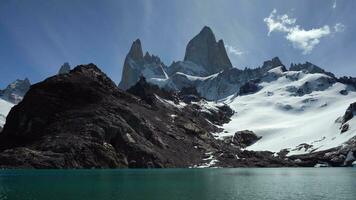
(82, 120)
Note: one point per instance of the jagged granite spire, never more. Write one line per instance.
(205, 51)
(137, 65)
(65, 68)
(135, 52)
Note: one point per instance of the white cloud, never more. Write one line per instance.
(339, 27)
(233, 50)
(302, 39)
(307, 40)
(278, 23)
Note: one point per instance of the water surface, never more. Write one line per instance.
(180, 184)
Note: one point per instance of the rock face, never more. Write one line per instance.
(137, 65)
(15, 91)
(270, 64)
(65, 68)
(309, 68)
(350, 113)
(205, 51)
(249, 87)
(348, 80)
(245, 138)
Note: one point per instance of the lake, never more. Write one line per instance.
(174, 184)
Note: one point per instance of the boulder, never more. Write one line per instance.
(245, 138)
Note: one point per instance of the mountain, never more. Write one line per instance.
(136, 65)
(189, 114)
(205, 51)
(219, 85)
(295, 111)
(83, 120)
(64, 69)
(308, 67)
(15, 91)
(205, 67)
(204, 56)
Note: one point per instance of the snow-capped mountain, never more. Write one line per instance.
(137, 65)
(15, 91)
(204, 58)
(11, 96)
(297, 109)
(294, 110)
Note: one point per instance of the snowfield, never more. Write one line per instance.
(5, 108)
(291, 109)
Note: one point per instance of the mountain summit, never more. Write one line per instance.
(204, 50)
(204, 56)
(15, 91)
(137, 65)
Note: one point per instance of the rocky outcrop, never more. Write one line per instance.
(309, 68)
(15, 91)
(249, 87)
(348, 81)
(65, 68)
(242, 139)
(137, 65)
(205, 51)
(350, 113)
(270, 64)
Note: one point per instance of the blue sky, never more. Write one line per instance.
(37, 36)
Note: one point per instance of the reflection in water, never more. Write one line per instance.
(172, 184)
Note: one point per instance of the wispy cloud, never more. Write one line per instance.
(233, 50)
(334, 4)
(339, 27)
(302, 39)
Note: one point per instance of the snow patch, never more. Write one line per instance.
(5, 108)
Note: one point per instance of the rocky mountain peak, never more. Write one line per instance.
(65, 68)
(16, 90)
(135, 52)
(136, 65)
(203, 50)
(273, 63)
(309, 67)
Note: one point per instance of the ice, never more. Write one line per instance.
(285, 120)
(5, 108)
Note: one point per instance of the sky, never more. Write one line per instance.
(38, 36)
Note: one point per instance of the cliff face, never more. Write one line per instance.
(137, 65)
(205, 51)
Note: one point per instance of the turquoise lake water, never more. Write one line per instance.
(174, 184)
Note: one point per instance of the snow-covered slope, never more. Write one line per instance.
(5, 107)
(293, 109)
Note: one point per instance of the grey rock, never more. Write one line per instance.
(137, 65)
(350, 113)
(309, 68)
(245, 138)
(65, 68)
(15, 91)
(205, 51)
